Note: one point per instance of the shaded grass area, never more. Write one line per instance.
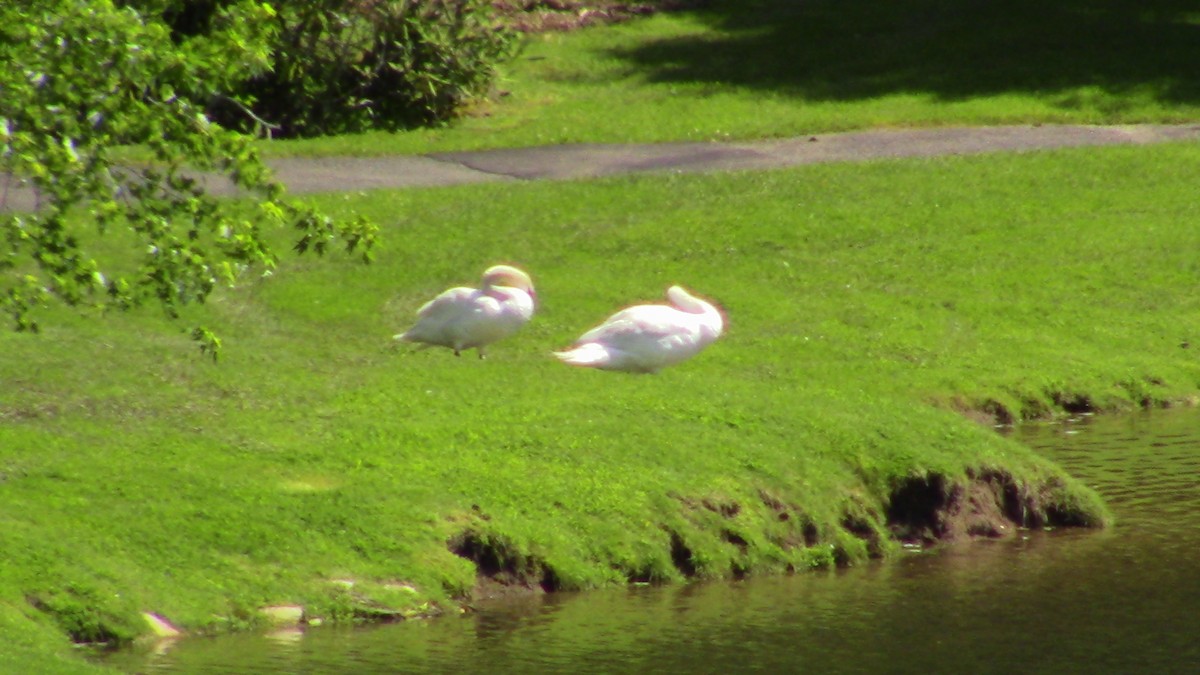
(319, 464)
(951, 49)
(733, 70)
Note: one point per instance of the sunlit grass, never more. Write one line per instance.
(866, 303)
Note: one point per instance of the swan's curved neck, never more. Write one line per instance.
(712, 319)
(687, 302)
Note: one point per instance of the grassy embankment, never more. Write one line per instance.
(866, 304)
(741, 70)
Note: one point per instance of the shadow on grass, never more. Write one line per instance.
(846, 50)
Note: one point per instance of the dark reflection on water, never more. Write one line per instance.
(1124, 600)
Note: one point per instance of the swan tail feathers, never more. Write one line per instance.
(590, 354)
(408, 336)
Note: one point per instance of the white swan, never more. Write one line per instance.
(465, 318)
(647, 338)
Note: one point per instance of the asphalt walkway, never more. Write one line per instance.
(589, 160)
(561, 162)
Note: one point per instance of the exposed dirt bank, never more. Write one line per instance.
(927, 510)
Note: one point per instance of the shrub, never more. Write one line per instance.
(342, 66)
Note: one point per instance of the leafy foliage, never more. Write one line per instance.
(86, 76)
(341, 66)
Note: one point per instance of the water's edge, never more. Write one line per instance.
(1056, 600)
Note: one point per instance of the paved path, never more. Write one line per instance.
(587, 161)
(336, 174)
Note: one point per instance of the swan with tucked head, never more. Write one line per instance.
(472, 318)
(647, 338)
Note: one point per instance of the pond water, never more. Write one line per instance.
(1121, 600)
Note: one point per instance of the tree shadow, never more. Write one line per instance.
(953, 49)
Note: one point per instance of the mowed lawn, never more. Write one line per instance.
(869, 305)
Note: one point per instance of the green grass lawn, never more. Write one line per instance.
(867, 305)
(738, 69)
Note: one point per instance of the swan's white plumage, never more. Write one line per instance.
(472, 318)
(647, 338)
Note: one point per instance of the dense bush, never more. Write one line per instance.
(350, 65)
